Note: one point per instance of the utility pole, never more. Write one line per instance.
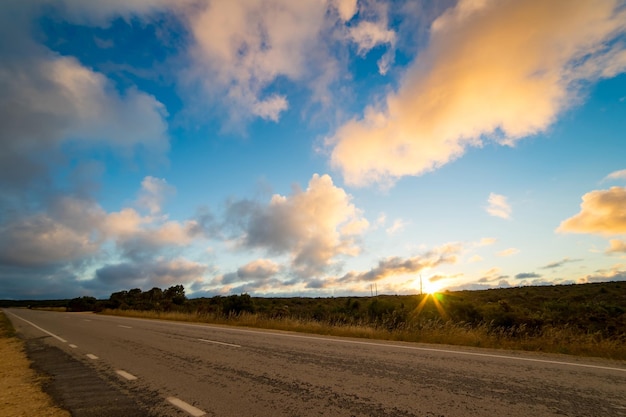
(421, 291)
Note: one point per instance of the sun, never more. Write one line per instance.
(427, 286)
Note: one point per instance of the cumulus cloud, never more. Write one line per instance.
(616, 246)
(346, 8)
(392, 266)
(258, 275)
(156, 273)
(47, 239)
(241, 49)
(481, 56)
(498, 206)
(313, 226)
(601, 212)
(48, 101)
(617, 273)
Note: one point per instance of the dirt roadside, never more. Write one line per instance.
(21, 391)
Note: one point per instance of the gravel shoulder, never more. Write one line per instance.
(21, 392)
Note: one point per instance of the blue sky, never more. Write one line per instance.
(311, 148)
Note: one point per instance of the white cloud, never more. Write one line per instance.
(314, 226)
(498, 206)
(346, 8)
(601, 212)
(617, 246)
(153, 193)
(616, 175)
(368, 35)
(397, 226)
(392, 266)
(481, 56)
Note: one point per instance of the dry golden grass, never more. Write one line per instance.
(20, 387)
(567, 340)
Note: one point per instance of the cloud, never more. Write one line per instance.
(527, 275)
(78, 230)
(446, 254)
(313, 226)
(397, 226)
(368, 35)
(145, 275)
(487, 241)
(616, 273)
(560, 263)
(245, 55)
(475, 258)
(346, 8)
(257, 275)
(601, 212)
(261, 268)
(498, 206)
(153, 193)
(617, 246)
(508, 252)
(616, 175)
(49, 102)
(481, 55)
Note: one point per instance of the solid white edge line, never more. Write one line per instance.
(219, 343)
(126, 375)
(92, 356)
(332, 340)
(73, 346)
(37, 327)
(125, 327)
(196, 412)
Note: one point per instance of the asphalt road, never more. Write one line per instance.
(184, 369)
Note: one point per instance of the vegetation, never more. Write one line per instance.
(21, 391)
(587, 319)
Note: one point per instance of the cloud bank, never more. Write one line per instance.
(485, 76)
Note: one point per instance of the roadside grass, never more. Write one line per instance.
(550, 339)
(20, 386)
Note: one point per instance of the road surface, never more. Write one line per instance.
(183, 369)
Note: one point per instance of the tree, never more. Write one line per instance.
(175, 294)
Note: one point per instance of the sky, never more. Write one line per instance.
(310, 148)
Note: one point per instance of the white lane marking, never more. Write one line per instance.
(126, 327)
(219, 343)
(92, 356)
(37, 327)
(126, 375)
(196, 412)
(73, 346)
(388, 345)
(86, 320)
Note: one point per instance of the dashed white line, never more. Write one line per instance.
(126, 375)
(91, 356)
(195, 412)
(37, 327)
(219, 343)
(73, 346)
(86, 320)
(125, 327)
